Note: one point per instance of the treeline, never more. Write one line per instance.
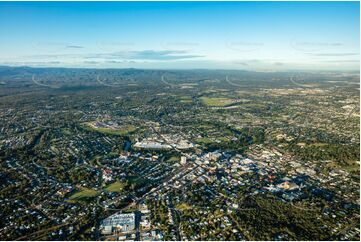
(271, 217)
(245, 137)
(342, 154)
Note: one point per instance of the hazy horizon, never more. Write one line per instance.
(256, 36)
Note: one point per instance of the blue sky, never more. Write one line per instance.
(218, 35)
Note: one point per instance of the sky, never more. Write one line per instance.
(261, 36)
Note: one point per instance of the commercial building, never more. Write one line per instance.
(118, 223)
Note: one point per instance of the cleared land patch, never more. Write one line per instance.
(183, 206)
(115, 187)
(123, 130)
(83, 193)
(217, 101)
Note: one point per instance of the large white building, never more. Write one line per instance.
(118, 223)
(183, 160)
(151, 145)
